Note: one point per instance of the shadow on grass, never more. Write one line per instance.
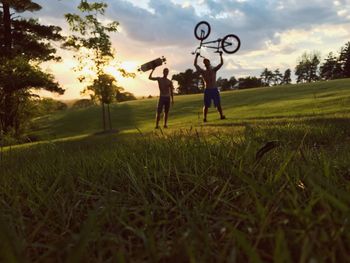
(86, 121)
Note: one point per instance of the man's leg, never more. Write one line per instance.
(158, 119)
(166, 111)
(222, 116)
(217, 102)
(159, 113)
(166, 119)
(207, 102)
(205, 113)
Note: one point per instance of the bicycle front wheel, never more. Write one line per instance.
(230, 44)
(202, 30)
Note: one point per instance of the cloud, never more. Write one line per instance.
(273, 32)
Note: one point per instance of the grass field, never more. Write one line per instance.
(191, 193)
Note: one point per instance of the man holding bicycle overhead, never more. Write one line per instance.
(211, 91)
(166, 91)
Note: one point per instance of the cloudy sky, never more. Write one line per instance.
(273, 34)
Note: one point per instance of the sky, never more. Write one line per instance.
(273, 34)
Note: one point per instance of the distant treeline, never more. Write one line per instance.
(308, 69)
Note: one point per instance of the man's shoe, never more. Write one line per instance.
(204, 120)
(222, 117)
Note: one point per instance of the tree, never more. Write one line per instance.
(83, 103)
(331, 68)
(104, 89)
(233, 82)
(189, 82)
(250, 82)
(24, 45)
(92, 41)
(307, 68)
(266, 77)
(223, 84)
(124, 96)
(344, 60)
(287, 77)
(277, 77)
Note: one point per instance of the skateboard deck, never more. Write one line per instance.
(152, 64)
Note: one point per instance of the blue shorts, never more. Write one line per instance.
(211, 94)
(164, 102)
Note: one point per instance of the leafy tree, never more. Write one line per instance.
(277, 77)
(83, 103)
(307, 68)
(124, 96)
(287, 77)
(92, 41)
(223, 84)
(189, 82)
(250, 82)
(344, 60)
(104, 89)
(331, 68)
(45, 106)
(233, 82)
(266, 77)
(24, 44)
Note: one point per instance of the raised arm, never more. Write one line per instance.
(198, 68)
(150, 75)
(221, 63)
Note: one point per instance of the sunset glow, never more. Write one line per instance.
(272, 35)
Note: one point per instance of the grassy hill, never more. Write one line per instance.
(269, 184)
(253, 105)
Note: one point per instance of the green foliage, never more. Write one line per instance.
(25, 44)
(331, 68)
(91, 34)
(124, 96)
(266, 77)
(307, 67)
(344, 60)
(189, 82)
(277, 77)
(20, 74)
(92, 41)
(249, 82)
(83, 103)
(287, 77)
(48, 105)
(104, 88)
(225, 84)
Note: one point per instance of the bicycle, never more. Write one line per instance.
(230, 44)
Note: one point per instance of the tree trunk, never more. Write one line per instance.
(104, 116)
(7, 28)
(8, 116)
(109, 117)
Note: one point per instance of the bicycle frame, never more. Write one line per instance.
(220, 45)
(207, 45)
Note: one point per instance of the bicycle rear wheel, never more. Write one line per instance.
(230, 44)
(202, 30)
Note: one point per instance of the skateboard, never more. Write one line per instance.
(152, 64)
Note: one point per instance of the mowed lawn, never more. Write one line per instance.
(291, 103)
(271, 183)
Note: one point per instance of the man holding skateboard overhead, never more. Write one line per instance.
(211, 91)
(166, 93)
